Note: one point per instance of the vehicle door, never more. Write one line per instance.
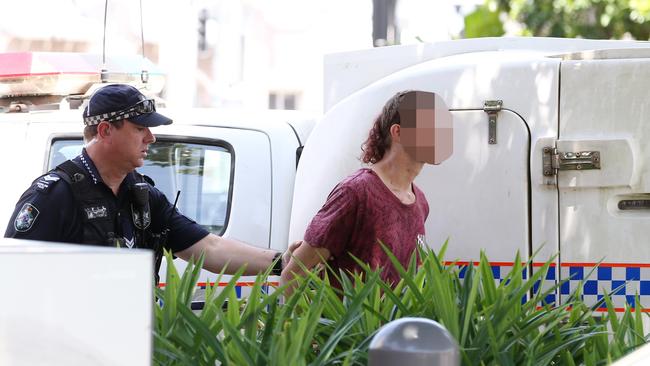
(603, 177)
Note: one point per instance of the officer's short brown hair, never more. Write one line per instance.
(91, 131)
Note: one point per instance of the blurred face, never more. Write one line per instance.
(425, 127)
(130, 144)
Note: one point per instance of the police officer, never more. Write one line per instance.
(99, 198)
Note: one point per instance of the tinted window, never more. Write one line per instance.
(201, 172)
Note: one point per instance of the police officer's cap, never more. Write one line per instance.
(116, 102)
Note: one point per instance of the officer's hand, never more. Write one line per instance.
(286, 256)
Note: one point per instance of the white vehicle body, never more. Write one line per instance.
(570, 95)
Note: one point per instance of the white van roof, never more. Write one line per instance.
(342, 76)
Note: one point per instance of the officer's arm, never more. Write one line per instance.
(222, 252)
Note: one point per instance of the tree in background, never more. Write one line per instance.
(602, 19)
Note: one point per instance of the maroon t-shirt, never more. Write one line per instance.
(358, 212)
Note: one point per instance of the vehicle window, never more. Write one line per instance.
(201, 172)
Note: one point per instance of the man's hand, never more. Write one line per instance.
(305, 255)
(286, 256)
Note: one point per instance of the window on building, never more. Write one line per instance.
(290, 101)
(283, 100)
(273, 101)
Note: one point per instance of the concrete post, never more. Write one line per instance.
(413, 342)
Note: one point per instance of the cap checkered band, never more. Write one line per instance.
(145, 106)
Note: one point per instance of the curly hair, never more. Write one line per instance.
(374, 148)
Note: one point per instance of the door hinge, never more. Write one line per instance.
(492, 108)
(554, 161)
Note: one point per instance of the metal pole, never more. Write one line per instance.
(413, 342)
(384, 30)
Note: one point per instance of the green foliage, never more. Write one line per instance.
(599, 19)
(483, 23)
(322, 325)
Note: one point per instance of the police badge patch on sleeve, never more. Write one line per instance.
(25, 218)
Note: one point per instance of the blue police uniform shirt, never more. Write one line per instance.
(47, 211)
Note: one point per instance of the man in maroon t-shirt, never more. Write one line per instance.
(380, 203)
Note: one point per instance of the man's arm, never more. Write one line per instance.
(330, 228)
(221, 252)
(309, 257)
(188, 239)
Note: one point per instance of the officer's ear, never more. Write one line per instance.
(103, 129)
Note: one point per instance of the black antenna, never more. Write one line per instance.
(178, 194)
(104, 72)
(144, 76)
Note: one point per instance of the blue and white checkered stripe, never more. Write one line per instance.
(621, 281)
(500, 271)
(627, 279)
(548, 283)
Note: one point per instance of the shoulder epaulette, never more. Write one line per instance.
(45, 182)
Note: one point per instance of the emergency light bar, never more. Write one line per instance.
(28, 74)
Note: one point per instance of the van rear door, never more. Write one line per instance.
(605, 212)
